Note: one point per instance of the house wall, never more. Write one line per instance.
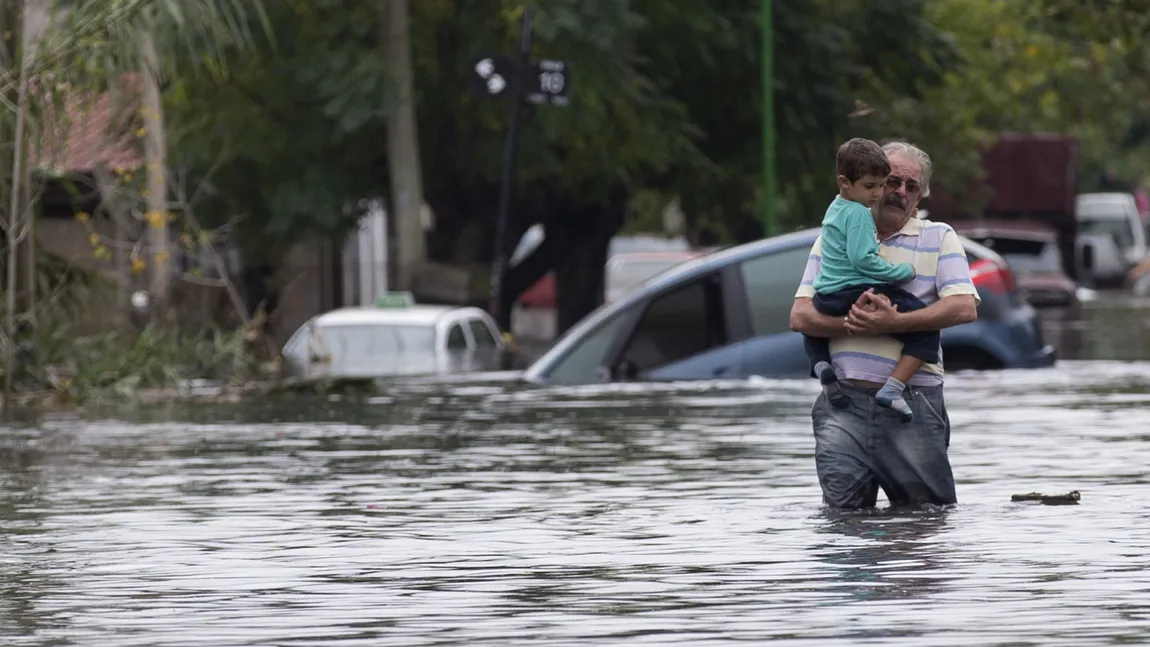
(309, 286)
(314, 278)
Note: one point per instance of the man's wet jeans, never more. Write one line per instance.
(863, 447)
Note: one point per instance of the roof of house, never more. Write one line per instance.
(96, 134)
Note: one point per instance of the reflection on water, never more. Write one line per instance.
(1116, 326)
(493, 513)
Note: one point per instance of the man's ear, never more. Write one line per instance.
(844, 183)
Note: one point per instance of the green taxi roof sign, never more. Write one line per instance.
(395, 300)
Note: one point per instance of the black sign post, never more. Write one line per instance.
(510, 151)
(542, 82)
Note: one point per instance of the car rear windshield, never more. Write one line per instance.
(1025, 255)
(345, 342)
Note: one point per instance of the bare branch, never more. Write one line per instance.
(205, 281)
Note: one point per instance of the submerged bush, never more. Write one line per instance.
(117, 364)
(75, 351)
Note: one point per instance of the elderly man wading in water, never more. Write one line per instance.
(859, 445)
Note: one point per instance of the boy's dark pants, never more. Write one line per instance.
(923, 345)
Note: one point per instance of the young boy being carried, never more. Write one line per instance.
(851, 265)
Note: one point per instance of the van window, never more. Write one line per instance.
(1122, 231)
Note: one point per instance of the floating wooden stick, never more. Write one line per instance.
(1070, 498)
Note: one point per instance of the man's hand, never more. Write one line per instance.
(868, 300)
(886, 319)
(872, 314)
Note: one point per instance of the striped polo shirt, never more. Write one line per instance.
(939, 261)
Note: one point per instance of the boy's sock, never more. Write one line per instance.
(890, 396)
(826, 374)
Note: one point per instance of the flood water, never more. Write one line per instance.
(493, 514)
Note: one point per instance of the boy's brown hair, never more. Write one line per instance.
(859, 157)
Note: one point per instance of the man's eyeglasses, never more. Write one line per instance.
(893, 182)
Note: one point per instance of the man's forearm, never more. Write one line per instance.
(808, 321)
(946, 312)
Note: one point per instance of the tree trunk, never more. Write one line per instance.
(160, 260)
(579, 282)
(33, 20)
(403, 145)
(579, 278)
(15, 209)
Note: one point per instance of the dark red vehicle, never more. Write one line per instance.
(1034, 255)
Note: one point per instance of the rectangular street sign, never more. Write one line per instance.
(549, 81)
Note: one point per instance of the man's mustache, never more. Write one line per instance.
(895, 200)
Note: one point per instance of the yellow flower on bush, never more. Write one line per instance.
(82, 216)
(156, 219)
(138, 265)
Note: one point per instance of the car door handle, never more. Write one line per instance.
(720, 370)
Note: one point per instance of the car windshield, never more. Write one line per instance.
(381, 340)
(625, 275)
(1119, 229)
(1026, 256)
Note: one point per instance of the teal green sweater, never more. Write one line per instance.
(850, 250)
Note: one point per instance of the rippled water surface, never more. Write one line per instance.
(494, 514)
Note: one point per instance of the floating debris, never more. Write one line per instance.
(1070, 498)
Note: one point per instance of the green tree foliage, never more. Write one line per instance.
(829, 55)
(666, 103)
(291, 136)
(1056, 66)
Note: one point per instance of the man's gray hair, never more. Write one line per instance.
(915, 153)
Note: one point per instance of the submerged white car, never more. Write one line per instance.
(394, 338)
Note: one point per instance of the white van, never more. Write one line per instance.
(1114, 215)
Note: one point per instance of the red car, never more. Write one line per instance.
(1031, 250)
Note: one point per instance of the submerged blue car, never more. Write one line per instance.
(726, 316)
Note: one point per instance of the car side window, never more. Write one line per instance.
(581, 364)
(456, 340)
(677, 324)
(482, 334)
(770, 282)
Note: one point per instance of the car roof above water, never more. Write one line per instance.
(416, 315)
(1020, 229)
(1106, 205)
(703, 265)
